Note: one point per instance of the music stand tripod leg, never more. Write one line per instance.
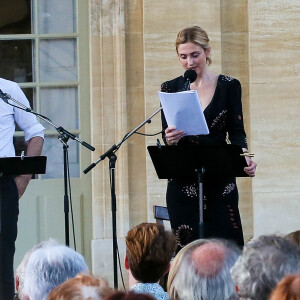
(200, 173)
(112, 166)
(66, 195)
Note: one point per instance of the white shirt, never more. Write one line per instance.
(9, 115)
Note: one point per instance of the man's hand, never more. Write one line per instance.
(22, 182)
(34, 148)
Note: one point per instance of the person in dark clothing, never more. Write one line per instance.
(220, 97)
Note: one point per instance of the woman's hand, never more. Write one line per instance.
(173, 136)
(250, 170)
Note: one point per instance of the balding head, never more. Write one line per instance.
(208, 259)
(201, 270)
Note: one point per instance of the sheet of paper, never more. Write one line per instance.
(183, 110)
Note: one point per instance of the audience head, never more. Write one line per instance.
(201, 270)
(295, 237)
(49, 267)
(81, 287)
(20, 271)
(264, 262)
(129, 296)
(287, 289)
(149, 249)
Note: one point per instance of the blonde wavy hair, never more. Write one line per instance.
(195, 35)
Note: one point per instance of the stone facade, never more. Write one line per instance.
(132, 53)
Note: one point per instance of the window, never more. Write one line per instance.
(39, 50)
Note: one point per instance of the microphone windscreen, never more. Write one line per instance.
(190, 75)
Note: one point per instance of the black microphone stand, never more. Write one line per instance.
(110, 153)
(64, 136)
(187, 84)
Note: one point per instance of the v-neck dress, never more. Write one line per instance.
(224, 118)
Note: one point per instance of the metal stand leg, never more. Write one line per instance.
(200, 173)
(66, 196)
(112, 163)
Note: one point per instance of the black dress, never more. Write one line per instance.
(224, 118)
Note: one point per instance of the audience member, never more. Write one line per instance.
(49, 267)
(81, 287)
(149, 249)
(264, 262)
(20, 271)
(287, 289)
(131, 295)
(295, 237)
(201, 270)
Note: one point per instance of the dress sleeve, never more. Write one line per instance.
(236, 129)
(164, 88)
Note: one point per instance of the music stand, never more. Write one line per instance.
(21, 165)
(192, 161)
(18, 165)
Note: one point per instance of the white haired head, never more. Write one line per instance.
(264, 262)
(20, 271)
(49, 267)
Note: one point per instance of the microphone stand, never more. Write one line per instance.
(64, 136)
(110, 153)
(187, 85)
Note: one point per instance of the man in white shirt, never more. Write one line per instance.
(13, 187)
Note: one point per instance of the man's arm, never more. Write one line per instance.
(34, 148)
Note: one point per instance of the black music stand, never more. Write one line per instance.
(21, 165)
(192, 161)
(18, 165)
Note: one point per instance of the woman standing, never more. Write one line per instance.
(220, 98)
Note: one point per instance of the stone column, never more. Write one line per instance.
(109, 125)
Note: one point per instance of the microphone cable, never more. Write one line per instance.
(149, 134)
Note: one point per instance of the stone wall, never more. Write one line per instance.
(274, 41)
(132, 53)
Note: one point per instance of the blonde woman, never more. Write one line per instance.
(220, 97)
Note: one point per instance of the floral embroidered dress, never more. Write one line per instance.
(224, 118)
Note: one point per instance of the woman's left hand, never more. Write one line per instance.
(250, 170)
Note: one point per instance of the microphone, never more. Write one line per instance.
(189, 76)
(4, 97)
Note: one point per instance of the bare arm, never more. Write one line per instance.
(34, 148)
